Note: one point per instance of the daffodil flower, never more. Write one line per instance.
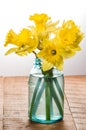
(68, 37)
(51, 53)
(46, 40)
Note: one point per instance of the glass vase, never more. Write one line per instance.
(46, 95)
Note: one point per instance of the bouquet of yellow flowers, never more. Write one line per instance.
(52, 44)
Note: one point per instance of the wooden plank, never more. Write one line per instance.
(75, 90)
(1, 103)
(78, 110)
(15, 102)
(16, 108)
(15, 99)
(1, 124)
(24, 124)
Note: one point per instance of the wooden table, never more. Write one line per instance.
(14, 105)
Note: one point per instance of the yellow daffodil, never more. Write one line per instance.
(40, 20)
(68, 37)
(23, 37)
(24, 41)
(43, 29)
(27, 41)
(10, 38)
(51, 53)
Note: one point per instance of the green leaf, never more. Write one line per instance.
(55, 97)
(34, 97)
(38, 97)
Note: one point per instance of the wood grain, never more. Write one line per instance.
(1, 103)
(14, 105)
(76, 96)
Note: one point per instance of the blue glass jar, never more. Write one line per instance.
(46, 94)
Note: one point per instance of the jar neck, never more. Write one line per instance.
(37, 62)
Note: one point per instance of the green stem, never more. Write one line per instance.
(51, 105)
(47, 98)
(38, 97)
(59, 88)
(34, 97)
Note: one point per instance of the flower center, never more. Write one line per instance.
(53, 52)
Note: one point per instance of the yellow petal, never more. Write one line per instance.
(11, 51)
(46, 65)
(10, 38)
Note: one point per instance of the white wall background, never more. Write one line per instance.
(15, 13)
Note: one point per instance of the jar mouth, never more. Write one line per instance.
(37, 61)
